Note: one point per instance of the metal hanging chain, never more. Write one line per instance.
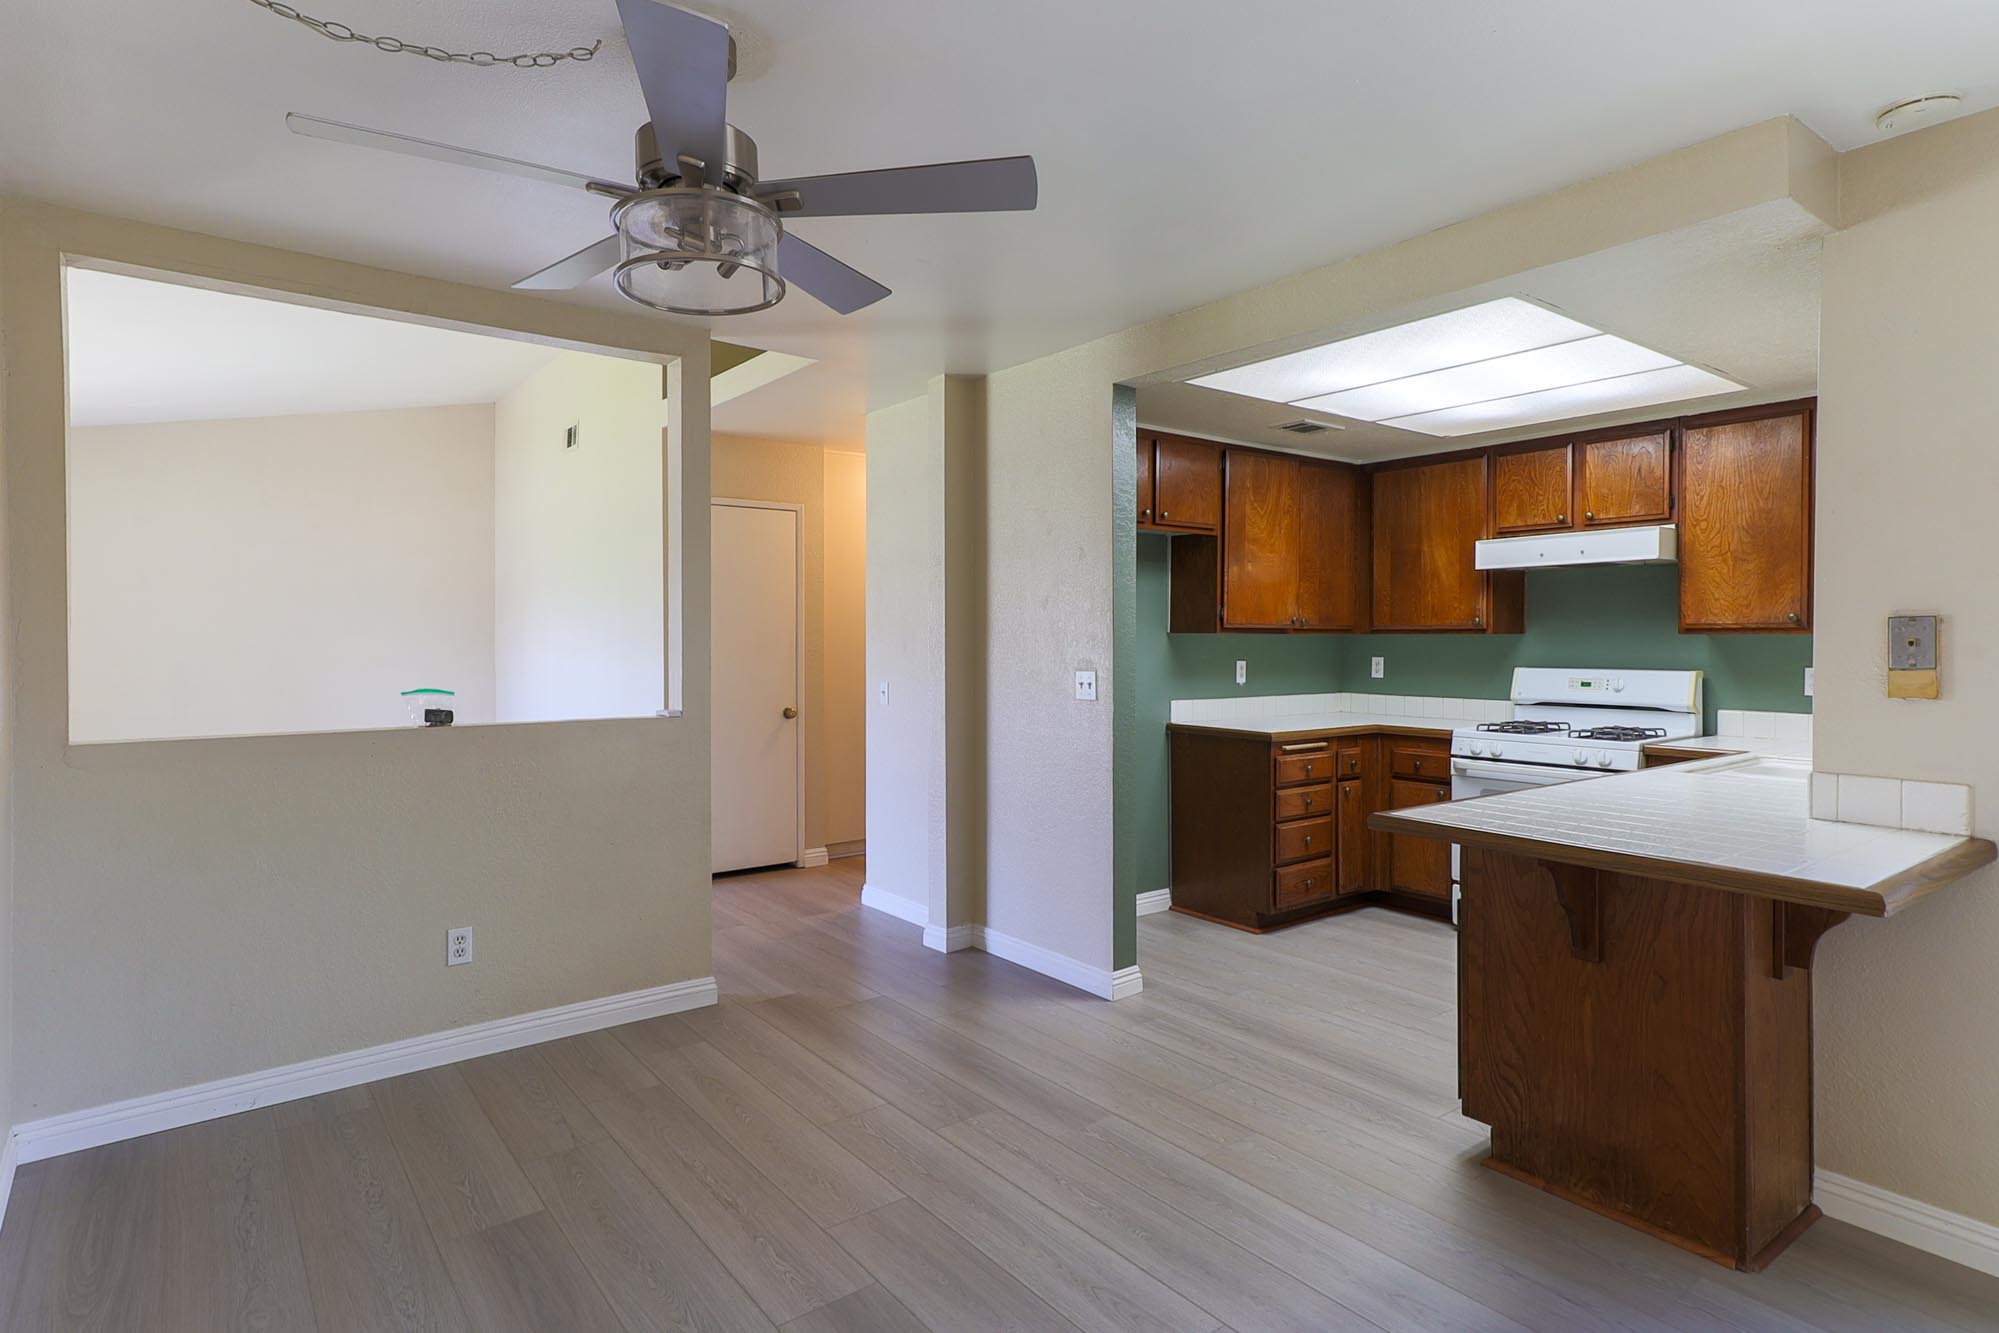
(340, 32)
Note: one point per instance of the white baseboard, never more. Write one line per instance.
(841, 850)
(56, 1135)
(1953, 1236)
(903, 909)
(949, 941)
(1098, 981)
(10, 1157)
(814, 856)
(1158, 900)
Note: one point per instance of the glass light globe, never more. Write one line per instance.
(695, 251)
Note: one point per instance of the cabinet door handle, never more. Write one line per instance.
(1162, 513)
(1145, 513)
(1561, 518)
(1793, 617)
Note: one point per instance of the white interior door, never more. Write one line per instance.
(756, 745)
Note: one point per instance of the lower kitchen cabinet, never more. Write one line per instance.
(1421, 866)
(1267, 832)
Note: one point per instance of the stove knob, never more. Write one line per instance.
(1617, 685)
(1581, 757)
(1494, 751)
(1474, 749)
(1603, 759)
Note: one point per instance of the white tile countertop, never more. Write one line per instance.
(1739, 822)
(1281, 715)
(1776, 735)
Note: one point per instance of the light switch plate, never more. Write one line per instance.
(1086, 686)
(1378, 668)
(1241, 672)
(1912, 643)
(1808, 682)
(1912, 658)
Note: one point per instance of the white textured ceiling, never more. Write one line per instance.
(1187, 150)
(142, 351)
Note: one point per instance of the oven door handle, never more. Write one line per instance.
(1530, 775)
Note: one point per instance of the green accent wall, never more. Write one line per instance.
(1602, 616)
(1607, 616)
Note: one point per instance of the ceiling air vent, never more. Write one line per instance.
(1305, 427)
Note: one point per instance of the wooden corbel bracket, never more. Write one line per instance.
(1795, 930)
(1578, 893)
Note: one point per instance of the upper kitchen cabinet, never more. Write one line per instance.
(1531, 489)
(1625, 479)
(1746, 521)
(1179, 483)
(1603, 481)
(1428, 517)
(1292, 543)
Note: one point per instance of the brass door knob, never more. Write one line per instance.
(790, 713)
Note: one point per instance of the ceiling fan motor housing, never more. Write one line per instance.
(739, 164)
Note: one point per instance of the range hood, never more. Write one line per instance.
(1602, 546)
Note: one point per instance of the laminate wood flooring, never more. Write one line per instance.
(869, 1137)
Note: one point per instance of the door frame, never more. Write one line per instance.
(797, 651)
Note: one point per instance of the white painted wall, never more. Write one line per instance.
(1908, 482)
(192, 910)
(905, 633)
(279, 574)
(578, 539)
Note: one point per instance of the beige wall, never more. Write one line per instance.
(189, 910)
(577, 541)
(245, 577)
(834, 539)
(846, 692)
(905, 648)
(1908, 484)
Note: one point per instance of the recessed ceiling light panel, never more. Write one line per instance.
(1918, 112)
(1487, 367)
(1669, 384)
(1475, 333)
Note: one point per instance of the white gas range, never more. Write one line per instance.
(1568, 725)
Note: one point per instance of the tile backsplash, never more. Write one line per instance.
(1378, 705)
(1925, 807)
(1763, 726)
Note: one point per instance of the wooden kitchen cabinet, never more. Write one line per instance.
(1179, 483)
(1292, 543)
(1353, 838)
(1421, 866)
(1624, 480)
(1427, 519)
(1531, 490)
(1746, 521)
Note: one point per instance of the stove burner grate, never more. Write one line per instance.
(1524, 727)
(1620, 734)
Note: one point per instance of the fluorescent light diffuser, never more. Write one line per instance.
(1475, 333)
(1671, 384)
(1487, 367)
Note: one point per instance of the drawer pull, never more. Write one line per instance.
(1308, 840)
(1308, 802)
(1311, 884)
(1302, 746)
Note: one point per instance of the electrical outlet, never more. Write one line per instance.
(1808, 682)
(1086, 686)
(1378, 668)
(457, 946)
(1241, 672)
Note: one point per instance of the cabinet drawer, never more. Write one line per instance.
(1304, 840)
(1313, 764)
(1420, 763)
(1301, 884)
(1349, 762)
(1299, 802)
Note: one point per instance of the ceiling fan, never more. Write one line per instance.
(699, 233)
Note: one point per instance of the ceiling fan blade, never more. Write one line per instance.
(312, 127)
(574, 271)
(683, 64)
(833, 283)
(988, 185)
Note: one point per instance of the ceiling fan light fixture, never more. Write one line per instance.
(696, 250)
